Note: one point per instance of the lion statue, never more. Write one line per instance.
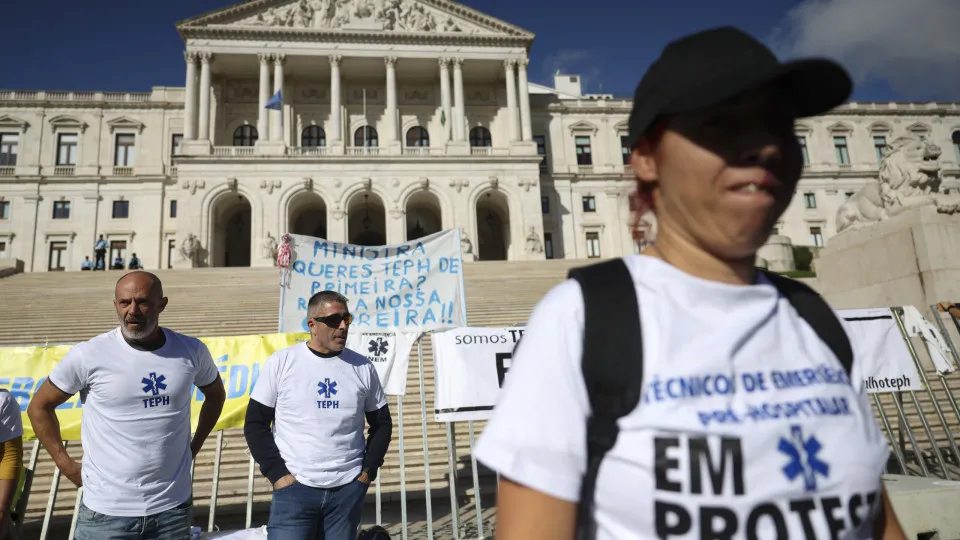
(909, 177)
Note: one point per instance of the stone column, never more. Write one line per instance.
(190, 106)
(445, 99)
(205, 90)
(508, 69)
(526, 129)
(459, 117)
(263, 120)
(391, 62)
(336, 123)
(276, 130)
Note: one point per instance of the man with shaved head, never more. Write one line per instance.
(135, 383)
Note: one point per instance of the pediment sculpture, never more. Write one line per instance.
(391, 15)
(910, 177)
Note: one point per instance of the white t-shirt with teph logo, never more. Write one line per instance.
(135, 428)
(320, 405)
(748, 426)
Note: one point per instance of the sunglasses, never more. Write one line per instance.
(333, 321)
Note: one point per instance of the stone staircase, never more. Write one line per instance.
(54, 308)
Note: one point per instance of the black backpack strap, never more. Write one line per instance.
(818, 314)
(612, 367)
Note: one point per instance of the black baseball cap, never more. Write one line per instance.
(717, 64)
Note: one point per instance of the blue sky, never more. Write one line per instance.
(903, 50)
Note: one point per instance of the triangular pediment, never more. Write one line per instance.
(124, 122)
(12, 122)
(380, 16)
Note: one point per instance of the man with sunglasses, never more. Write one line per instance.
(316, 395)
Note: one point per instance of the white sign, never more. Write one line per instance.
(389, 352)
(412, 287)
(884, 361)
(470, 365)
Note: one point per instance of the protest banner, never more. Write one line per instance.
(878, 343)
(470, 364)
(411, 287)
(238, 358)
(389, 352)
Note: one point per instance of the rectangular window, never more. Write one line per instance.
(58, 257)
(3, 250)
(548, 245)
(589, 203)
(810, 200)
(9, 148)
(593, 245)
(584, 156)
(541, 150)
(545, 204)
(175, 146)
(775, 231)
(121, 209)
(118, 252)
(625, 149)
(880, 146)
(61, 209)
(843, 153)
(803, 149)
(171, 249)
(124, 154)
(67, 149)
(816, 236)
(173, 208)
(4, 210)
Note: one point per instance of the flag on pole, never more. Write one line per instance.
(276, 102)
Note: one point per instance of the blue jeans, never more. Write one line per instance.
(173, 524)
(299, 512)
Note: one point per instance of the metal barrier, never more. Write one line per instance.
(938, 460)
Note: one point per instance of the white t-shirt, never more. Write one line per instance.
(710, 447)
(135, 427)
(320, 405)
(11, 423)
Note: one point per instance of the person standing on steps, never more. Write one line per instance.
(135, 383)
(100, 254)
(682, 392)
(315, 396)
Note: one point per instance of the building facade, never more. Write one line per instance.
(370, 122)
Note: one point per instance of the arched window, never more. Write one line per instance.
(366, 136)
(480, 136)
(417, 136)
(956, 143)
(245, 135)
(313, 136)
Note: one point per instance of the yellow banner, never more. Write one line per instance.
(239, 358)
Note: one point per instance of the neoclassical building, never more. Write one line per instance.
(371, 122)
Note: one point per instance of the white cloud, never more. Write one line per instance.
(914, 45)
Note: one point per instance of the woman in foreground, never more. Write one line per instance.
(748, 426)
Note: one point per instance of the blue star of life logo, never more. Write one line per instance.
(153, 384)
(803, 458)
(327, 388)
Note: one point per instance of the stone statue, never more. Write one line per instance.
(533, 241)
(466, 246)
(909, 177)
(189, 248)
(269, 247)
